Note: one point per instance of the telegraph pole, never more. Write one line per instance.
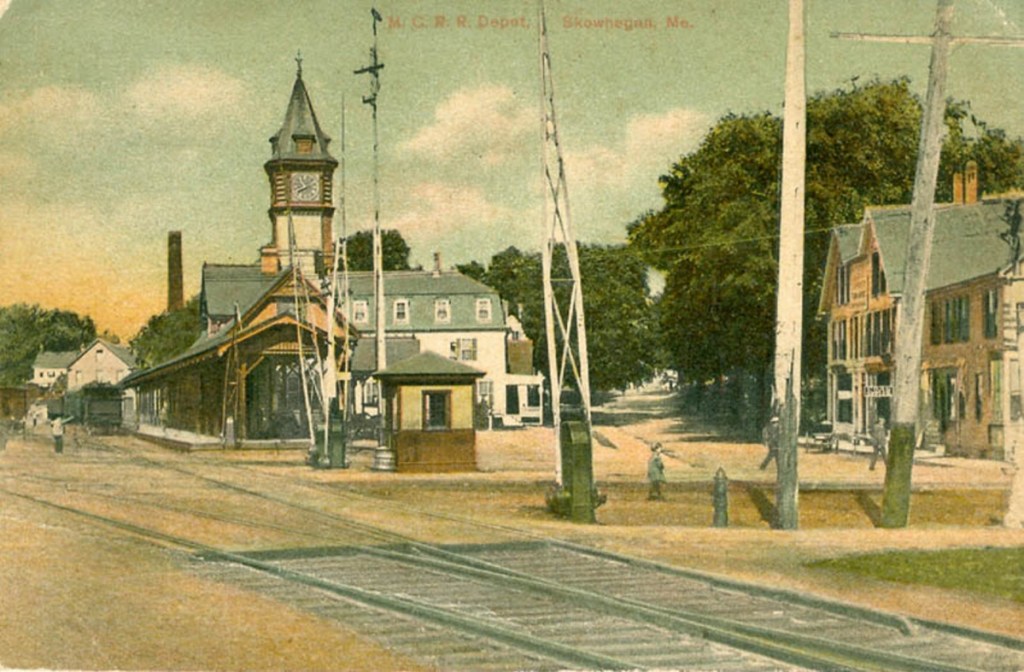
(383, 460)
(789, 315)
(907, 388)
(563, 315)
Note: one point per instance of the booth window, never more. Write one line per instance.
(436, 410)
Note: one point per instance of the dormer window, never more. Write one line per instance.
(360, 312)
(401, 311)
(442, 311)
(483, 310)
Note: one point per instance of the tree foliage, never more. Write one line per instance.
(394, 249)
(26, 330)
(167, 335)
(621, 338)
(716, 237)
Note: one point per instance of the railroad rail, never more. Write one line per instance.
(532, 603)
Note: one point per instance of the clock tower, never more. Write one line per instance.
(301, 174)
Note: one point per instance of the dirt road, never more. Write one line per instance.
(78, 595)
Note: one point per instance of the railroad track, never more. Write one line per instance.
(547, 604)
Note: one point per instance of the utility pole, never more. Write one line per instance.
(907, 387)
(789, 311)
(563, 312)
(907, 390)
(383, 460)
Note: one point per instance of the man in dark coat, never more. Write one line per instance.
(879, 439)
(770, 438)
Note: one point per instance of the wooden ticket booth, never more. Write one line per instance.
(429, 403)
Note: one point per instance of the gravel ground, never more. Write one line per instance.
(76, 596)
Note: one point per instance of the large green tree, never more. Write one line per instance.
(621, 338)
(716, 237)
(394, 250)
(167, 334)
(26, 330)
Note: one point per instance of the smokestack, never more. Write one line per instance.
(971, 183)
(175, 285)
(437, 264)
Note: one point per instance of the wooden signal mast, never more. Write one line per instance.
(563, 311)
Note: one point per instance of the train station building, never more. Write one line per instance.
(242, 381)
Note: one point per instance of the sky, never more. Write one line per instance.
(122, 120)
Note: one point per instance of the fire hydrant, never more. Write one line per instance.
(720, 499)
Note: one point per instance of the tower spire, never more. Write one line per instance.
(298, 63)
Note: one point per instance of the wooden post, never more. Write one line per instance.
(789, 315)
(907, 388)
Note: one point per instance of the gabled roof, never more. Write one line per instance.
(966, 243)
(218, 343)
(429, 364)
(55, 359)
(119, 351)
(224, 285)
(300, 121)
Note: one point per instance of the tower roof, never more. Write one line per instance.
(300, 123)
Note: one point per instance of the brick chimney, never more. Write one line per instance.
(958, 188)
(971, 183)
(437, 264)
(175, 285)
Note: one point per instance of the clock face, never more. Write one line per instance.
(305, 186)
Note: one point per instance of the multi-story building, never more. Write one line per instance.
(452, 315)
(49, 367)
(100, 362)
(970, 374)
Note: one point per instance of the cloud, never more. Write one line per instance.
(185, 91)
(488, 122)
(437, 209)
(16, 166)
(50, 108)
(651, 142)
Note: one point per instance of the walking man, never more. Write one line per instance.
(57, 428)
(770, 438)
(879, 439)
(655, 472)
